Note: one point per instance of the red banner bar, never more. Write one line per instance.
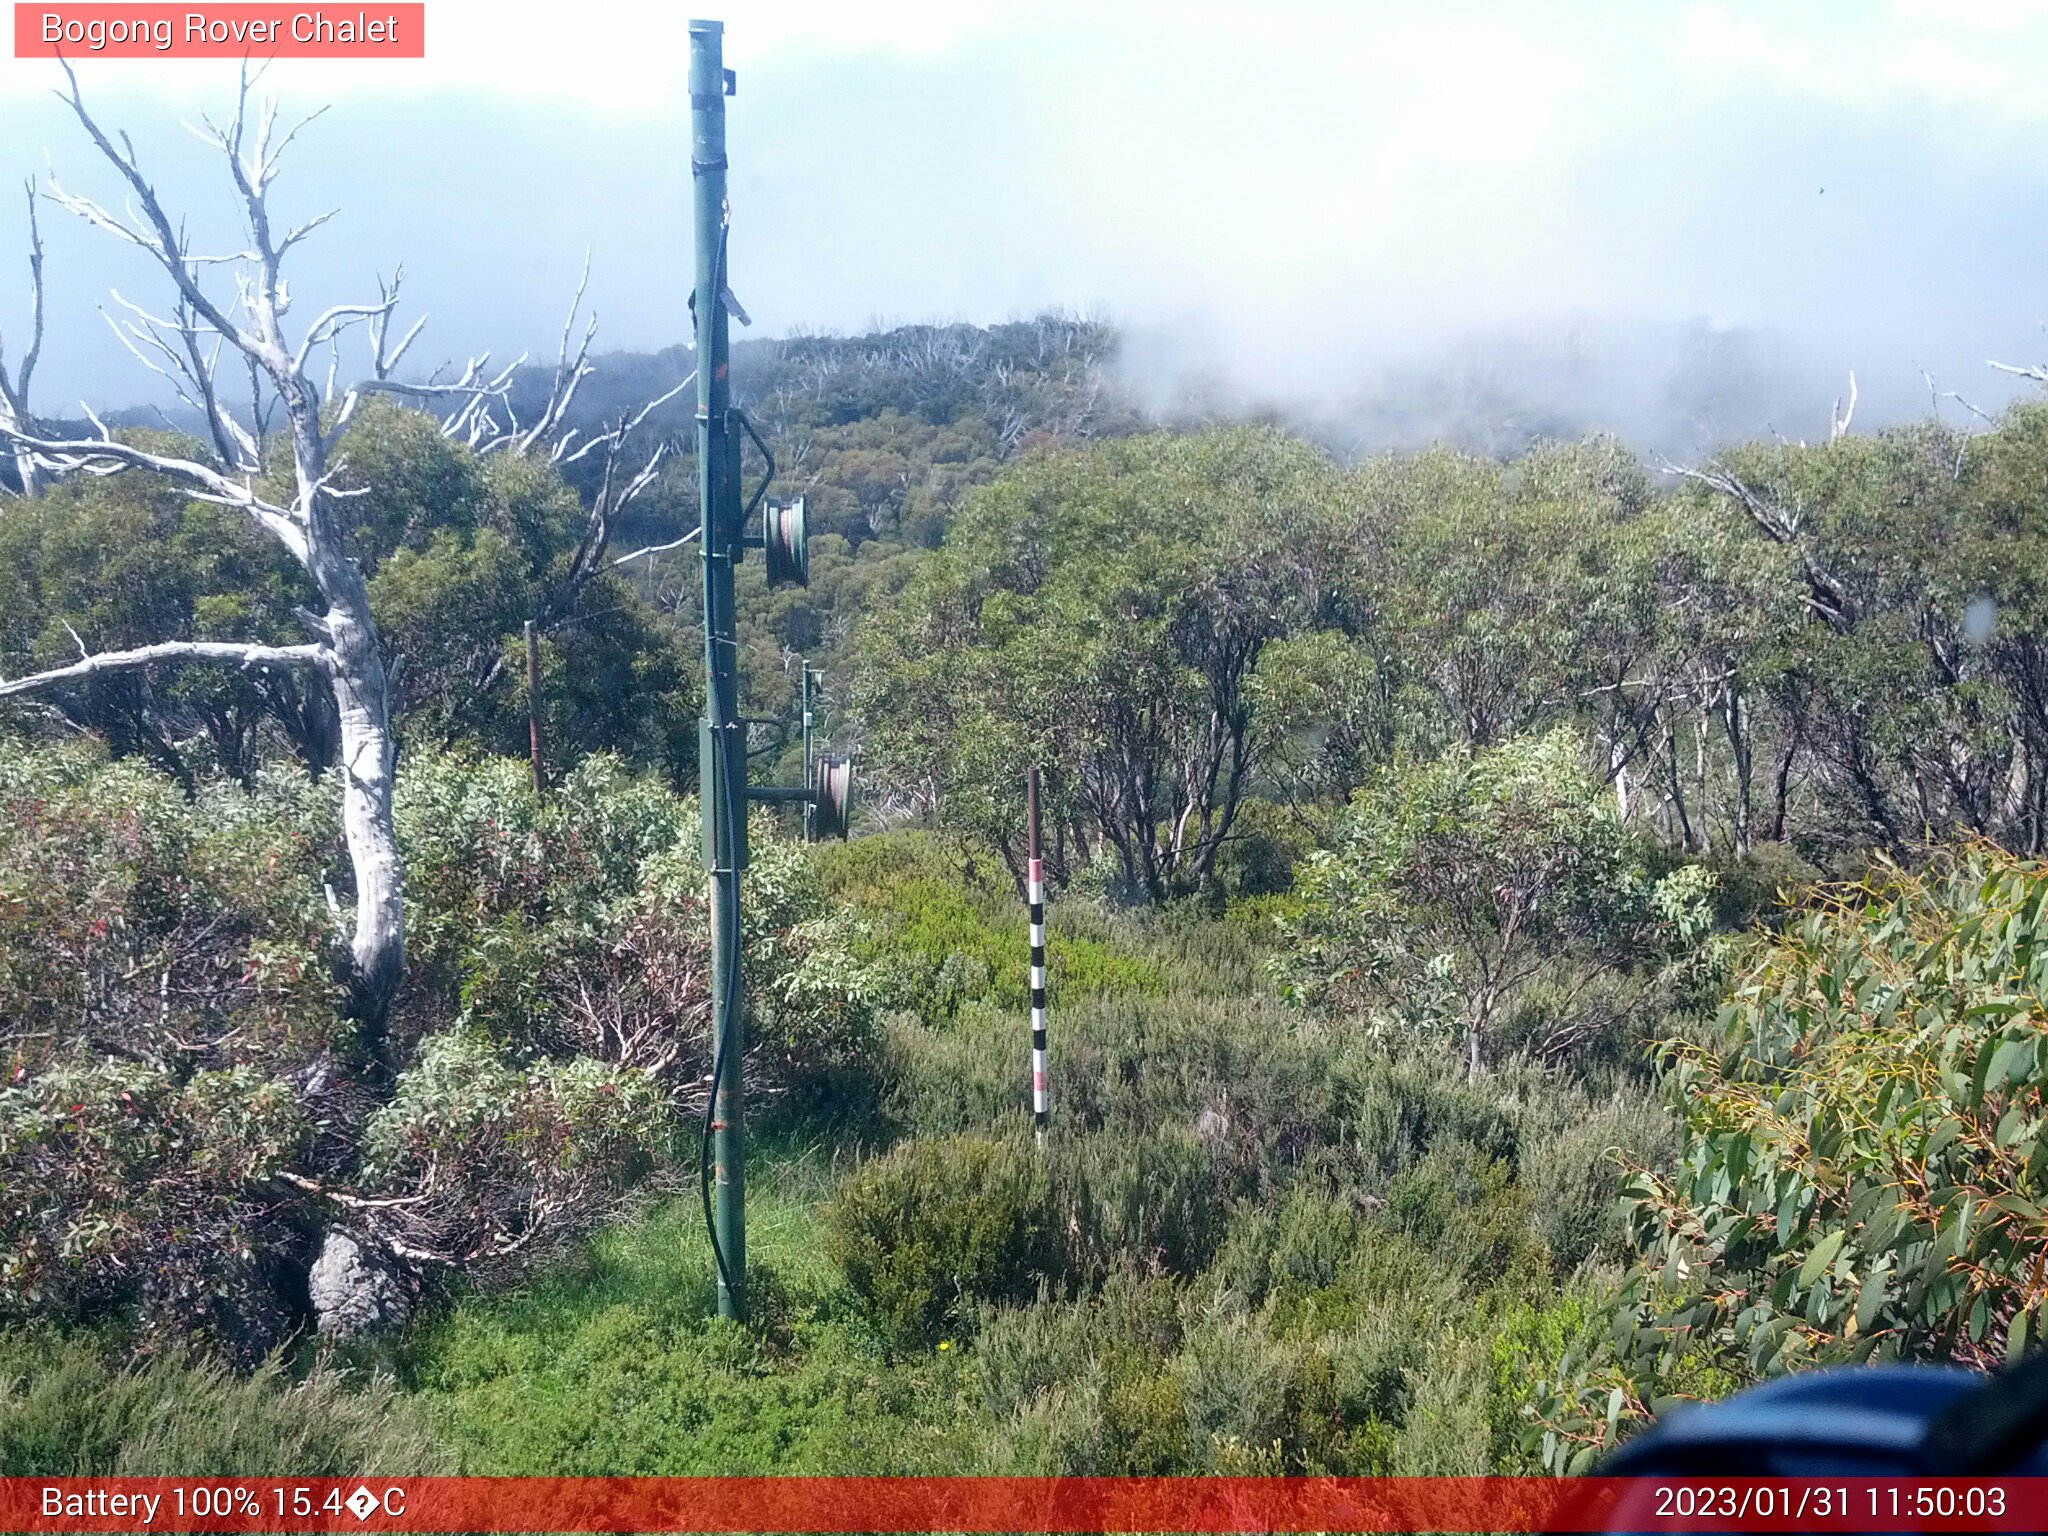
(1020, 1504)
(380, 29)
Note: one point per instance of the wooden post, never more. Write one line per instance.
(540, 777)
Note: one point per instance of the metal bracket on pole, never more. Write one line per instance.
(767, 477)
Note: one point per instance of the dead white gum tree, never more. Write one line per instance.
(275, 395)
(14, 410)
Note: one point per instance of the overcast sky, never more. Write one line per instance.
(1286, 195)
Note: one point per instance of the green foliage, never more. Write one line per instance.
(70, 1408)
(1467, 1209)
(1861, 1160)
(943, 933)
(459, 550)
(576, 923)
(933, 1227)
(1254, 1244)
(613, 1362)
(1322, 1341)
(134, 1179)
(1102, 611)
(164, 970)
(1767, 886)
(462, 551)
(1718, 646)
(1498, 591)
(123, 900)
(110, 563)
(1452, 887)
(1155, 1201)
(1263, 1238)
(1266, 848)
(532, 1149)
(182, 1088)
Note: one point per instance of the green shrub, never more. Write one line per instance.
(1156, 1201)
(121, 1184)
(1084, 1386)
(1303, 1245)
(1262, 1078)
(1399, 1106)
(124, 901)
(183, 1081)
(69, 1408)
(1465, 1208)
(1767, 886)
(1451, 886)
(166, 970)
(1577, 1170)
(613, 1362)
(1284, 1403)
(1529, 1339)
(947, 931)
(1267, 841)
(1861, 1157)
(925, 1231)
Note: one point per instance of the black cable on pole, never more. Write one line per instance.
(732, 911)
(732, 975)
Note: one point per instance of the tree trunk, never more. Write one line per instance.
(1617, 770)
(1675, 776)
(1742, 749)
(367, 767)
(26, 473)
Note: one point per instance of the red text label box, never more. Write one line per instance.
(223, 31)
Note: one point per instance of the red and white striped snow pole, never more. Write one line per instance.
(1034, 895)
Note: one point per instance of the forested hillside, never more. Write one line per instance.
(1533, 939)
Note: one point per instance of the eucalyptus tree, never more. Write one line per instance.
(1908, 689)
(1103, 611)
(1450, 887)
(278, 454)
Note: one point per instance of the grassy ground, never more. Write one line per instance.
(615, 1362)
(1280, 1249)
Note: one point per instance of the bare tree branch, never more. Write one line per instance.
(569, 372)
(650, 550)
(157, 235)
(233, 653)
(476, 391)
(1935, 396)
(105, 455)
(384, 358)
(1839, 416)
(36, 298)
(14, 409)
(1780, 524)
(632, 424)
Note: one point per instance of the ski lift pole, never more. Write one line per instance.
(1034, 893)
(722, 755)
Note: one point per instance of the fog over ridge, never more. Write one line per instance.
(1391, 224)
